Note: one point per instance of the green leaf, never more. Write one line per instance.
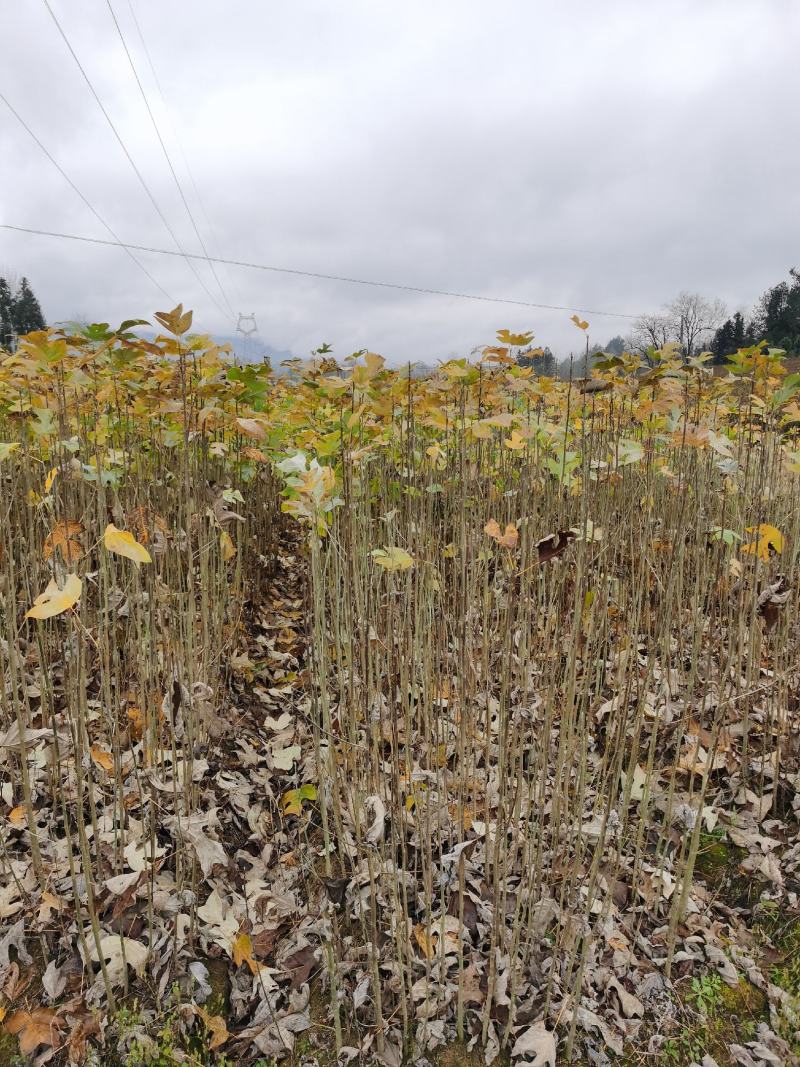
(719, 533)
(629, 451)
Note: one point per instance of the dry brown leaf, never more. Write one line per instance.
(39, 1027)
(508, 538)
(553, 545)
(63, 539)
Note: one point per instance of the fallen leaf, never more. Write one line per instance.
(631, 1006)
(539, 1042)
(119, 953)
(772, 599)
(242, 952)
(17, 816)
(300, 965)
(102, 757)
(293, 799)
(215, 1025)
(284, 758)
(39, 1027)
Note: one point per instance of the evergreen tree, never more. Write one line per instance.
(738, 338)
(6, 309)
(777, 317)
(26, 313)
(616, 346)
(543, 363)
(722, 342)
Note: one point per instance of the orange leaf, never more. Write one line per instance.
(509, 538)
(102, 758)
(216, 1027)
(135, 722)
(17, 815)
(425, 942)
(39, 1027)
(62, 538)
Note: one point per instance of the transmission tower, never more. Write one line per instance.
(246, 326)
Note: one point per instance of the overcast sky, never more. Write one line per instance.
(601, 155)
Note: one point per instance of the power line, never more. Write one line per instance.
(176, 134)
(327, 277)
(128, 156)
(167, 156)
(84, 198)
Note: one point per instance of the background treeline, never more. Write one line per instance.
(20, 312)
(696, 324)
(775, 319)
(700, 325)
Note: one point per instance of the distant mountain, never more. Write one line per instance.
(252, 349)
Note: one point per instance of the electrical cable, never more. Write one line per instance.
(128, 156)
(327, 277)
(167, 157)
(83, 197)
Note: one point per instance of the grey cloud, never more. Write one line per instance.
(597, 155)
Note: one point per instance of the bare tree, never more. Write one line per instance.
(692, 316)
(685, 321)
(649, 331)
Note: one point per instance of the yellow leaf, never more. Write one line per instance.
(393, 558)
(515, 339)
(54, 600)
(176, 321)
(125, 544)
(516, 442)
(242, 950)
(768, 538)
(102, 757)
(6, 448)
(227, 547)
(252, 428)
(582, 324)
(48, 482)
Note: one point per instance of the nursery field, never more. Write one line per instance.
(351, 717)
